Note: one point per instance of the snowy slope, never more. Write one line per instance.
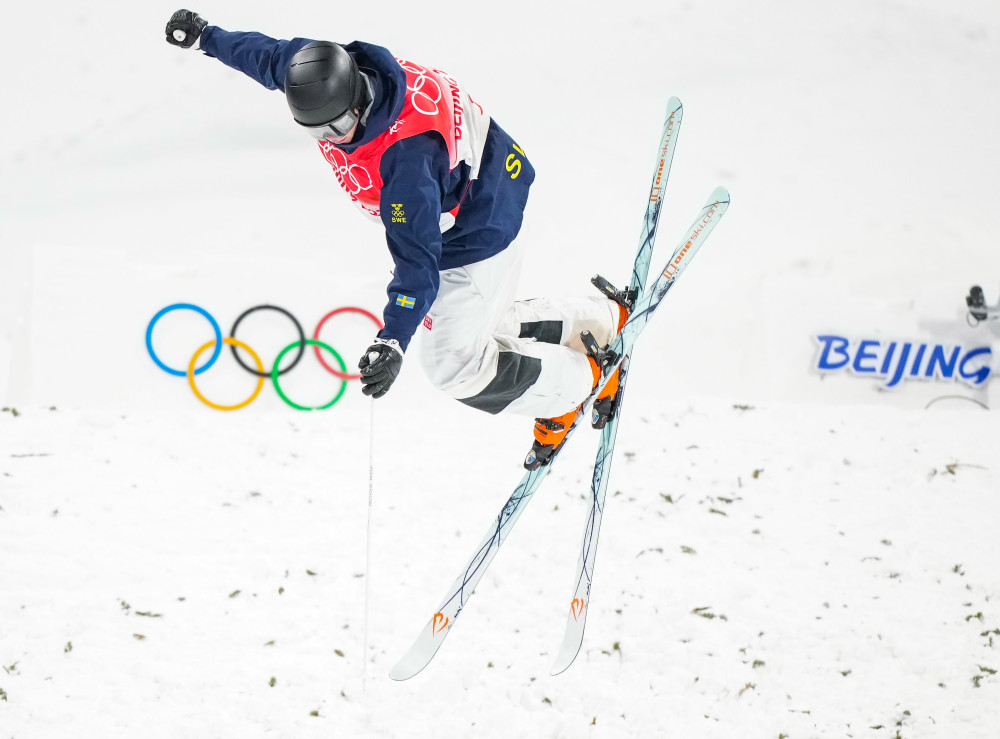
(782, 555)
(763, 571)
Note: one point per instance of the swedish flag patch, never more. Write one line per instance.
(404, 301)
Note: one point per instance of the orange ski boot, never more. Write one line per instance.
(606, 402)
(550, 433)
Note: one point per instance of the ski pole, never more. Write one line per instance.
(368, 544)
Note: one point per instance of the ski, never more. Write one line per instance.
(580, 603)
(576, 620)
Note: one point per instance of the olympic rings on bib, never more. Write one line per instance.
(261, 372)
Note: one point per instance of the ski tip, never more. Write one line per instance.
(674, 105)
(719, 195)
(400, 676)
(406, 668)
(422, 651)
(566, 658)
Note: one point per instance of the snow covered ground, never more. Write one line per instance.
(783, 554)
(764, 571)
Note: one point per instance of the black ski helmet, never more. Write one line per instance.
(322, 83)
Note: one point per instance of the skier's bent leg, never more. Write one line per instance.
(561, 320)
(497, 355)
(518, 376)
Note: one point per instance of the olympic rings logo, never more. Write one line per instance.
(346, 173)
(261, 373)
(423, 79)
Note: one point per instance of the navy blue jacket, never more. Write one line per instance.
(415, 170)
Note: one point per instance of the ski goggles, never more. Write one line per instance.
(337, 130)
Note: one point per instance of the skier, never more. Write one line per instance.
(414, 150)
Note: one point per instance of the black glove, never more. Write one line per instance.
(184, 28)
(379, 366)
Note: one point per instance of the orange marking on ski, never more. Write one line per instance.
(577, 607)
(440, 622)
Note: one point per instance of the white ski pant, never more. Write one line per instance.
(500, 355)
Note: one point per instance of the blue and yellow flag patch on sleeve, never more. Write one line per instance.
(405, 301)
